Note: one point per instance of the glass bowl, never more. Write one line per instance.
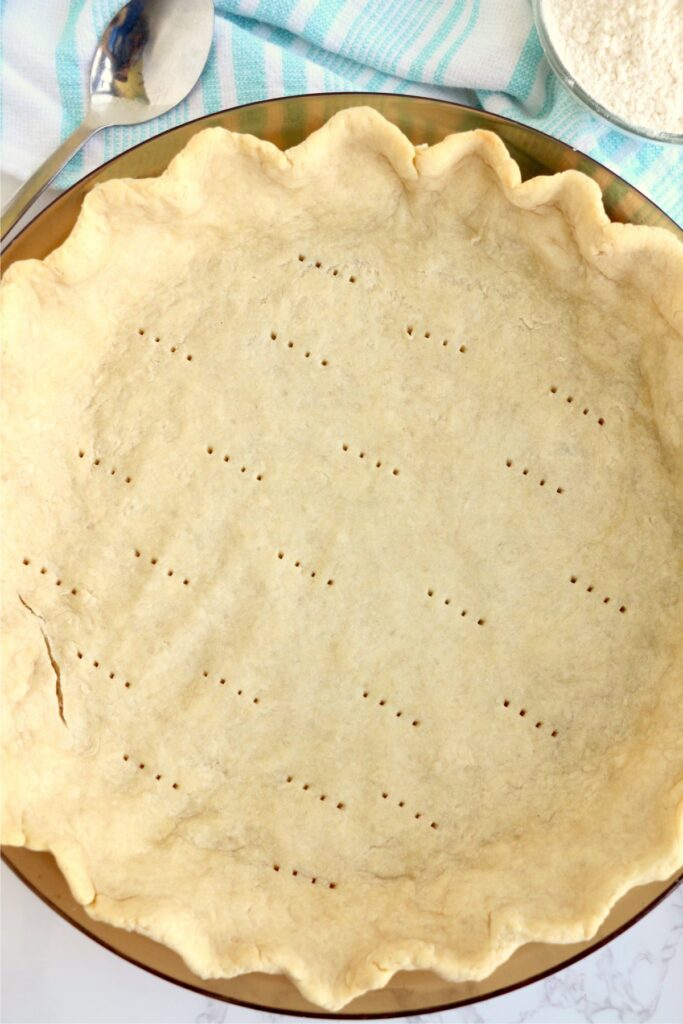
(581, 95)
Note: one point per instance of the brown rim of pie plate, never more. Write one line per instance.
(285, 122)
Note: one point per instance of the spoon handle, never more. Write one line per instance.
(31, 189)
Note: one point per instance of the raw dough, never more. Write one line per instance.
(342, 577)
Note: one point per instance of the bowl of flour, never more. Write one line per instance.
(622, 58)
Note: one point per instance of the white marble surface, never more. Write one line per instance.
(51, 972)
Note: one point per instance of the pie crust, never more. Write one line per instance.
(342, 556)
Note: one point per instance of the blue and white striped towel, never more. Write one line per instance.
(482, 52)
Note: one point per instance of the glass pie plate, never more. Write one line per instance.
(286, 122)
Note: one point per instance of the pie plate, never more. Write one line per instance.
(285, 123)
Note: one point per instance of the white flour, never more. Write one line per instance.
(626, 54)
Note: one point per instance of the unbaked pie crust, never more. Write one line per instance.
(342, 556)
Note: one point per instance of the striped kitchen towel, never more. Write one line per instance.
(482, 52)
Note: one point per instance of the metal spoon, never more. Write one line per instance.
(150, 55)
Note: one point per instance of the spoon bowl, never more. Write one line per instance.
(150, 55)
(148, 59)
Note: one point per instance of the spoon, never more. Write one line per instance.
(150, 55)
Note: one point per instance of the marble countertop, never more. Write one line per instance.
(50, 972)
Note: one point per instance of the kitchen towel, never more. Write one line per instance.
(482, 52)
